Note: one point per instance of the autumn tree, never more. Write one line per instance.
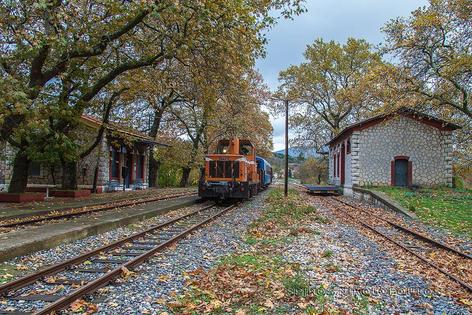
(152, 93)
(240, 113)
(173, 160)
(314, 170)
(56, 57)
(433, 47)
(323, 89)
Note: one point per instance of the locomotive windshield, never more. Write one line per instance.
(223, 147)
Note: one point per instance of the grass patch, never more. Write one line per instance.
(251, 261)
(283, 219)
(250, 240)
(362, 304)
(297, 286)
(448, 208)
(259, 280)
(8, 273)
(282, 208)
(327, 254)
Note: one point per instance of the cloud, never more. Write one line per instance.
(331, 20)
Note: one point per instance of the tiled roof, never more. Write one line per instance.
(126, 131)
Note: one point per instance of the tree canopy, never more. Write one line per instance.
(58, 57)
(434, 49)
(323, 90)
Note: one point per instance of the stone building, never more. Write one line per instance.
(122, 158)
(403, 149)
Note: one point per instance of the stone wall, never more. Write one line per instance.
(429, 150)
(6, 165)
(86, 166)
(355, 158)
(51, 175)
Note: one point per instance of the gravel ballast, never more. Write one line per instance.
(357, 272)
(363, 271)
(163, 277)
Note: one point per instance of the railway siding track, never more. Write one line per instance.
(104, 264)
(410, 244)
(10, 223)
(410, 231)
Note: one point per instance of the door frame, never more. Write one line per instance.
(409, 169)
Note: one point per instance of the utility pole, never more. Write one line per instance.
(286, 148)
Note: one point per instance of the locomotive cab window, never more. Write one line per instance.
(246, 150)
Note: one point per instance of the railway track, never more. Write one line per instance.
(10, 223)
(88, 272)
(451, 262)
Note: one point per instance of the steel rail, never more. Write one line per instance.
(73, 214)
(421, 257)
(29, 279)
(414, 233)
(104, 280)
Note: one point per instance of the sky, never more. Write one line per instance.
(331, 20)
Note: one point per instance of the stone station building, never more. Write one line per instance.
(407, 148)
(123, 151)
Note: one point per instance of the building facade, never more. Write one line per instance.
(122, 157)
(403, 149)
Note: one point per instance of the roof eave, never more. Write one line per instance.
(450, 126)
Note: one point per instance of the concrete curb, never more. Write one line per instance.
(383, 200)
(28, 241)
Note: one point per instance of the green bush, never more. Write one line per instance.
(458, 182)
(169, 176)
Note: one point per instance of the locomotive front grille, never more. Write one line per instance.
(223, 169)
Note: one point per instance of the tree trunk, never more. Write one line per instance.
(19, 178)
(95, 180)
(185, 176)
(96, 169)
(69, 175)
(52, 169)
(154, 166)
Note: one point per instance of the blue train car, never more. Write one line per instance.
(264, 169)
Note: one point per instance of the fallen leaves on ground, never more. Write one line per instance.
(83, 307)
(126, 273)
(256, 279)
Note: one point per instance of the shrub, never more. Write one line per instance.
(458, 182)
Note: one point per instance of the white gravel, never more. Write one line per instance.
(364, 271)
(163, 276)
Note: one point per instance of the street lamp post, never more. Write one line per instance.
(286, 149)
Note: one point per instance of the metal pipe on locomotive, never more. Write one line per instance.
(234, 171)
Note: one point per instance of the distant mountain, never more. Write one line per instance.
(295, 152)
